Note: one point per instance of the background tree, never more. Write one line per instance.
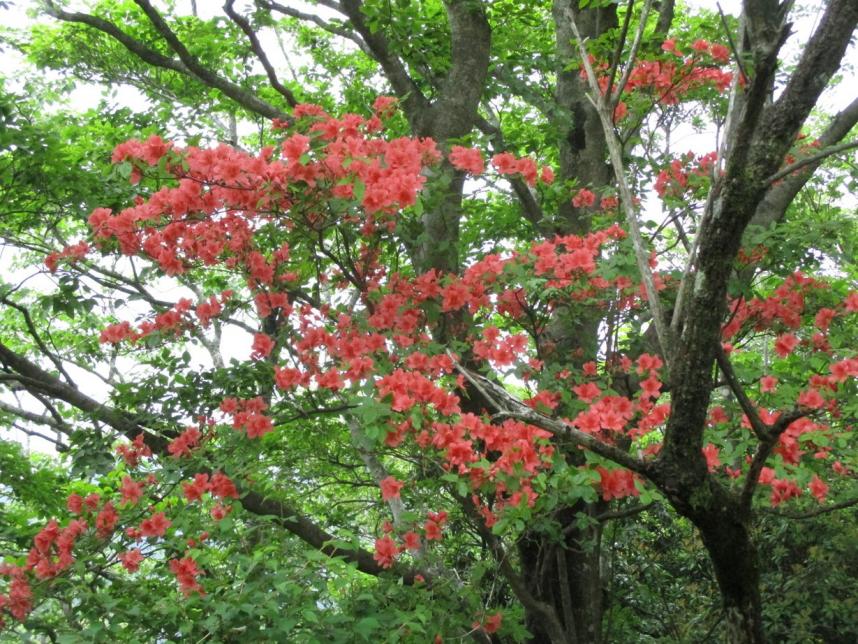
(513, 79)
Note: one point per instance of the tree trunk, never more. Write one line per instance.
(567, 576)
(734, 557)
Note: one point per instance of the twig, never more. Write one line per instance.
(834, 149)
(606, 117)
(730, 42)
(812, 513)
(759, 427)
(614, 99)
(256, 46)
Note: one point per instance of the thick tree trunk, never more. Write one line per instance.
(566, 576)
(734, 557)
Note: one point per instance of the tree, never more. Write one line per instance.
(497, 372)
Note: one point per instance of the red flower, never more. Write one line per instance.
(824, 317)
(720, 53)
(131, 559)
(505, 163)
(650, 387)
(768, 383)
(75, 503)
(818, 488)
(155, 526)
(220, 511)
(811, 399)
(384, 106)
(390, 488)
(546, 175)
(492, 623)
(584, 198)
(131, 491)
(411, 540)
(221, 486)
(186, 572)
(106, 520)
(194, 491)
(385, 551)
(710, 452)
(467, 159)
(785, 344)
(617, 484)
(185, 442)
(262, 345)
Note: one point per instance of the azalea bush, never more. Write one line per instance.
(325, 336)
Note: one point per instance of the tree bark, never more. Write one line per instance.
(567, 575)
(727, 538)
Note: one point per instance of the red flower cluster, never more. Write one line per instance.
(247, 415)
(186, 572)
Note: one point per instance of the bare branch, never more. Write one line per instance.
(665, 16)
(759, 427)
(630, 63)
(623, 513)
(821, 57)
(289, 517)
(799, 516)
(774, 205)
(618, 50)
(412, 99)
(764, 450)
(38, 339)
(733, 48)
(256, 46)
(515, 580)
(323, 24)
(606, 117)
(812, 159)
(60, 446)
(240, 95)
(35, 418)
(509, 406)
(470, 45)
(136, 47)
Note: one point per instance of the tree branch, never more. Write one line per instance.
(60, 446)
(38, 339)
(207, 76)
(532, 210)
(412, 99)
(513, 578)
(812, 513)
(613, 99)
(136, 47)
(812, 160)
(606, 117)
(821, 57)
(762, 454)
(470, 48)
(510, 407)
(318, 21)
(125, 424)
(256, 46)
(759, 427)
(38, 419)
(774, 205)
(187, 64)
